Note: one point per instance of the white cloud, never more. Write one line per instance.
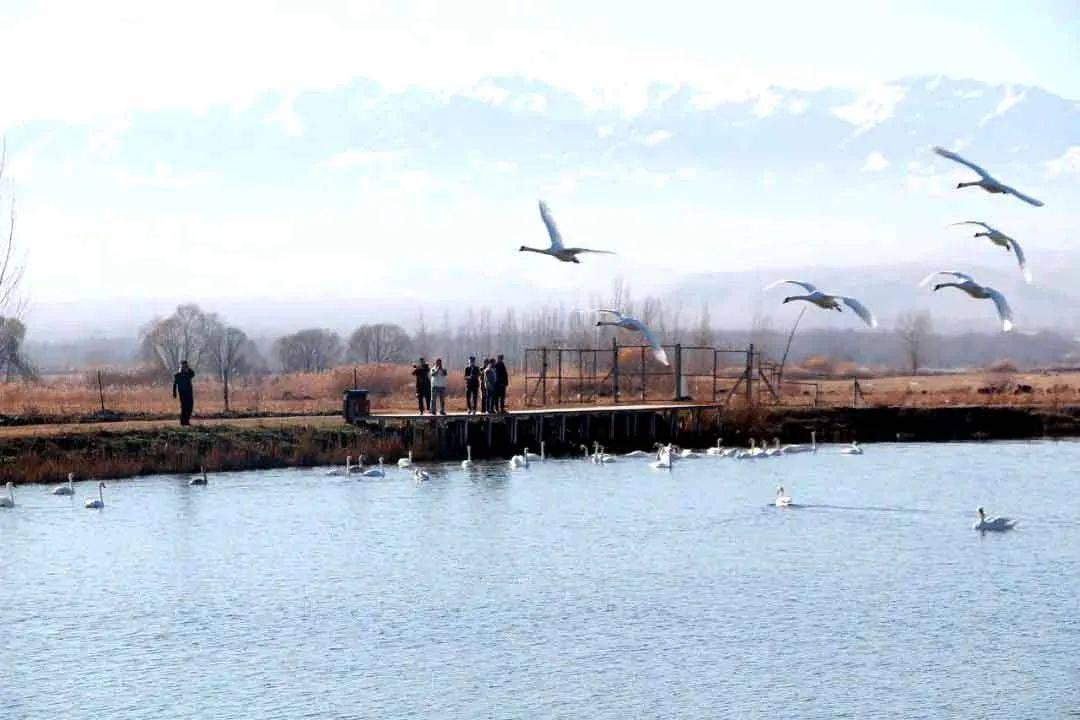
(359, 157)
(655, 138)
(533, 102)
(1008, 101)
(766, 103)
(875, 162)
(604, 131)
(797, 106)
(871, 107)
(1067, 164)
(487, 93)
(164, 177)
(286, 118)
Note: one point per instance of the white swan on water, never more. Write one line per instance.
(374, 472)
(977, 291)
(986, 181)
(751, 453)
(334, 472)
(827, 301)
(520, 462)
(775, 450)
(782, 498)
(602, 458)
(9, 501)
(664, 459)
(66, 489)
(852, 449)
(467, 462)
(638, 454)
(405, 462)
(557, 250)
(98, 502)
(1002, 240)
(420, 475)
(996, 524)
(718, 449)
(199, 479)
(811, 448)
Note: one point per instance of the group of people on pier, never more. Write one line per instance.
(485, 386)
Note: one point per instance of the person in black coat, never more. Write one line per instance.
(183, 389)
(472, 385)
(422, 372)
(502, 377)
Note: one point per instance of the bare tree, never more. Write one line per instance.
(11, 266)
(703, 336)
(229, 353)
(914, 330)
(379, 343)
(180, 336)
(12, 362)
(311, 350)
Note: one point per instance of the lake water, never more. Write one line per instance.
(565, 590)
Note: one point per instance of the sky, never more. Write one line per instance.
(214, 151)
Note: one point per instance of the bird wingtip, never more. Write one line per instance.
(1007, 325)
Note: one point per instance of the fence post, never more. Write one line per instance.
(678, 372)
(543, 376)
(614, 370)
(558, 382)
(750, 375)
(101, 392)
(715, 369)
(644, 377)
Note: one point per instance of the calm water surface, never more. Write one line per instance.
(567, 590)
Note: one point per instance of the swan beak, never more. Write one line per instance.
(521, 249)
(786, 300)
(598, 324)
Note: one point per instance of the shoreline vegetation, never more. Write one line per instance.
(101, 452)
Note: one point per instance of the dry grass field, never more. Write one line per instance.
(391, 386)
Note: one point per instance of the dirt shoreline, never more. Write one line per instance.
(45, 454)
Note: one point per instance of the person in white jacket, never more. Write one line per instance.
(438, 387)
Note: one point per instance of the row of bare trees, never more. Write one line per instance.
(13, 363)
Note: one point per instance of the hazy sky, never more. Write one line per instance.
(211, 150)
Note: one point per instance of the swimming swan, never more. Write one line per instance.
(811, 448)
(99, 501)
(782, 499)
(405, 462)
(199, 479)
(638, 454)
(997, 524)
(9, 501)
(467, 462)
(67, 489)
(376, 472)
(664, 459)
(333, 472)
(420, 475)
(520, 462)
(852, 449)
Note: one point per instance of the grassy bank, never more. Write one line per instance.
(117, 454)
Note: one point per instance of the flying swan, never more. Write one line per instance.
(629, 323)
(825, 301)
(557, 249)
(985, 181)
(1001, 239)
(977, 291)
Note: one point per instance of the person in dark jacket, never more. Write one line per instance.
(183, 389)
(422, 372)
(503, 379)
(472, 385)
(491, 385)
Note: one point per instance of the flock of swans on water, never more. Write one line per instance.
(663, 457)
(835, 301)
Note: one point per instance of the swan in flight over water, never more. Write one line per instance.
(1001, 239)
(629, 323)
(997, 524)
(977, 291)
(852, 449)
(557, 249)
(985, 181)
(9, 501)
(825, 301)
(66, 489)
(98, 502)
(782, 499)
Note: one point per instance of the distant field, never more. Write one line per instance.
(74, 398)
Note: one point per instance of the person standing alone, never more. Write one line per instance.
(438, 387)
(503, 379)
(183, 389)
(472, 385)
(422, 372)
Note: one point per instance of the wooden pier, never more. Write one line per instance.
(562, 430)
